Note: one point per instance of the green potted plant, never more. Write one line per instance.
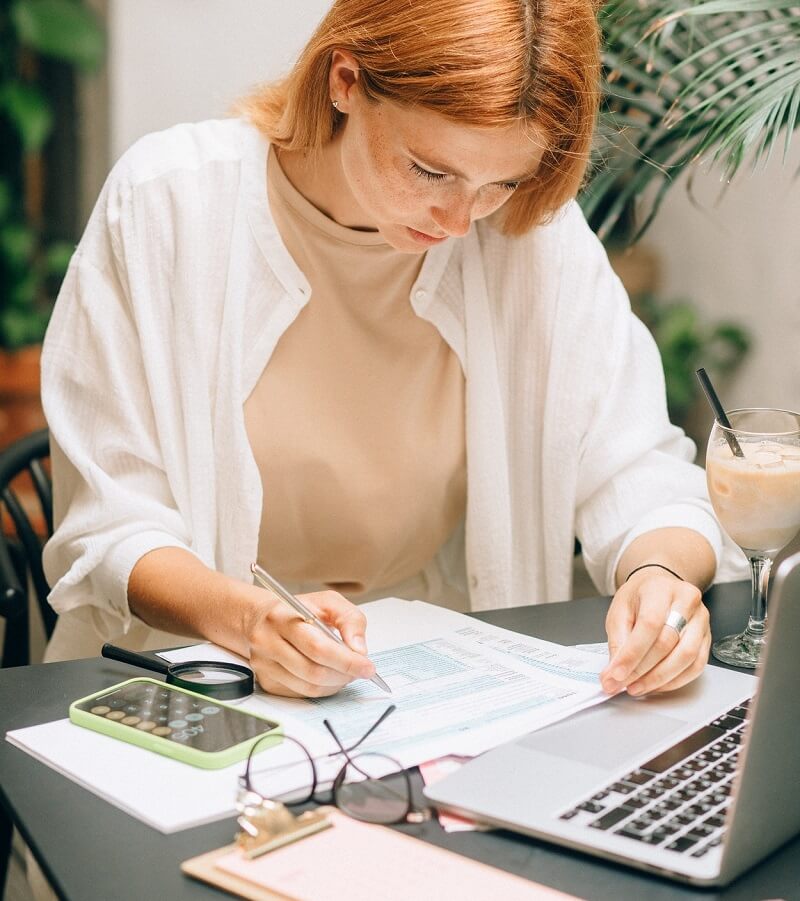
(686, 341)
(32, 259)
(685, 83)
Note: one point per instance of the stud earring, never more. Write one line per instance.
(336, 105)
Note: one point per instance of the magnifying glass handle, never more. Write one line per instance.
(112, 652)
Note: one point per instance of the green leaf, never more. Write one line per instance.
(18, 327)
(64, 29)
(57, 257)
(5, 199)
(726, 347)
(17, 244)
(24, 291)
(685, 342)
(688, 80)
(680, 390)
(27, 108)
(678, 324)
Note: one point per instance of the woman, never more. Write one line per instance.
(362, 334)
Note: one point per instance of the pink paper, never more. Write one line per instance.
(433, 771)
(357, 862)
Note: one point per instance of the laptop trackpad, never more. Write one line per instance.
(605, 736)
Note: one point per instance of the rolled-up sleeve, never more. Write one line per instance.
(636, 472)
(112, 499)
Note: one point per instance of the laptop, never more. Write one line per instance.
(697, 785)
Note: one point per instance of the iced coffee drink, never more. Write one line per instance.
(753, 470)
(756, 497)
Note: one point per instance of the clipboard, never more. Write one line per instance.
(203, 869)
(356, 861)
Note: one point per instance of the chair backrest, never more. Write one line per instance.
(26, 521)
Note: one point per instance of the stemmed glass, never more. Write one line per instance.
(753, 472)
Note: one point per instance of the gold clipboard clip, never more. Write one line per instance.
(267, 825)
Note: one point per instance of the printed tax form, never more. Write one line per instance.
(460, 687)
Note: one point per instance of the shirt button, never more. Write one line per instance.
(420, 294)
(473, 581)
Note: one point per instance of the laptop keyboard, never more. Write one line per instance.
(679, 799)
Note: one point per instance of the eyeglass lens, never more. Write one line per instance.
(380, 790)
(381, 793)
(272, 781)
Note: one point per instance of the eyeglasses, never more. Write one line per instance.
(370, 787)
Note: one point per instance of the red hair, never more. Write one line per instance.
(487, 63)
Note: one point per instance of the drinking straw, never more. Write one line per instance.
(719, 411)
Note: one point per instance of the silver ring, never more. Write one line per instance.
(676, 621)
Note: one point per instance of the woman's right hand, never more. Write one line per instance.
(171, 589)
(296, 659)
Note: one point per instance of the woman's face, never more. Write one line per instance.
(420, 178)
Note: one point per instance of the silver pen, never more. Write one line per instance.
(271, 584)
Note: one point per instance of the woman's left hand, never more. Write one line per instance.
(645, 654)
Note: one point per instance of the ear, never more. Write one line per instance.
(343, 79)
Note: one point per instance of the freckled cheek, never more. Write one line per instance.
(385, 194)
(485, 206)
(401, 203)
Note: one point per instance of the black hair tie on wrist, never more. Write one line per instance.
(659, 565)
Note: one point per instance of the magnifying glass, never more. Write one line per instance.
(212, 678)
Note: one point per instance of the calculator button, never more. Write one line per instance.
(162, 730)
(209, 711)
(115, 715)
(100, 710)
(146, 725)
(178, 724)
(130, 720)
(194, 717)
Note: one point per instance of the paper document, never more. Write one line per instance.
(460, 687)
(598, 647)
(357, 862)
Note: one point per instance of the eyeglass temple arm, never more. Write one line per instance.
(338, 741)
(389, 710)
(346, 751)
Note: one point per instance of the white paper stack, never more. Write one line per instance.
(460, 687)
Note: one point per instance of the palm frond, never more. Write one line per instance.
(686, 81)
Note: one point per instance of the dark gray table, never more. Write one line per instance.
(91, 851)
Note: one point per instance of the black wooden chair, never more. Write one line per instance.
(26, 520)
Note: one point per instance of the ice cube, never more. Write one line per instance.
(767, 458)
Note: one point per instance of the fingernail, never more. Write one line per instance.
(635, 690)
(610, 686)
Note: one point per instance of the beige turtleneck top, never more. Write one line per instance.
(357, 421)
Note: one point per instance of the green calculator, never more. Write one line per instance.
(175, 722)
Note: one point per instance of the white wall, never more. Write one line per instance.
(737, 255)
(188, 59)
